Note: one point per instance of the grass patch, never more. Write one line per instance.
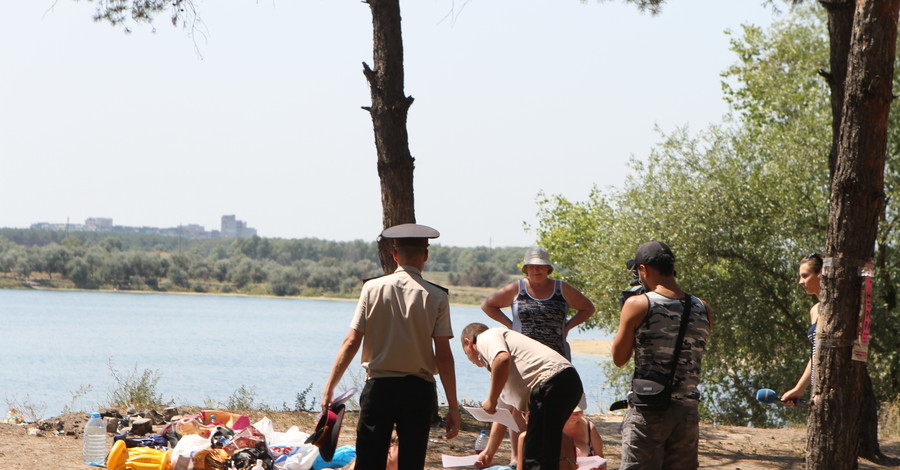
(25, 408)
(135, 389)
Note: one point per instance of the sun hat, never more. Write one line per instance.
(537, 257)
(654, 253)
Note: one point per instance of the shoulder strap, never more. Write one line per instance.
(369, 279)
(678, 343)
(447, 291)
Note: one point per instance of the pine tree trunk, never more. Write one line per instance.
(856, 206)
(840, 26)
(389, 111)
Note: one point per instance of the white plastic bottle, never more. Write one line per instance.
(481, 441)
(95, 441)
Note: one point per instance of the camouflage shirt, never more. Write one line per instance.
(655, 342)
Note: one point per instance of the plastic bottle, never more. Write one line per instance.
(95, 441)
(481, 441)
(259, 465)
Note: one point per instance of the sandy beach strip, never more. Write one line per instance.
(591, 347)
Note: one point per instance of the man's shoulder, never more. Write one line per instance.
(440, 287)
(365, 281)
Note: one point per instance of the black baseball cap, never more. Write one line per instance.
(654, 253)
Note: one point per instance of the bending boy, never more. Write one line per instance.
(536, 378)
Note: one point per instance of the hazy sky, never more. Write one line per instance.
(258, 113)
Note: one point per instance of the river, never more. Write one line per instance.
(60, 348)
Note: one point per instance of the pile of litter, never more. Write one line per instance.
(216, 439)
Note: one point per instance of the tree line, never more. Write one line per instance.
(282, 267)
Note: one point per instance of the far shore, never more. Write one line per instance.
(232, 294)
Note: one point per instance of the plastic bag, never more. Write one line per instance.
(183, 453)
(342, 456)
(191, 424)
(265, 427)
(303, 459)
(286, 443)
(247, 438)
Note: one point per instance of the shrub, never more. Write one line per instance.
(244, 398)
(137, 390)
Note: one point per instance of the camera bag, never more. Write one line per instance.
(652, 390)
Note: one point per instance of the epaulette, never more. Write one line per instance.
(446, 291)
(369, 279)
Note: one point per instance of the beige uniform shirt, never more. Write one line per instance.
(532, 362)
(399, 314)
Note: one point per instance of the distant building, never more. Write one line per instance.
(231, 228)
(234, 228)
(98, 224)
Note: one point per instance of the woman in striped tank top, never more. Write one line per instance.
(540, 305)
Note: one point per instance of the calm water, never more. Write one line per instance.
(204, 347)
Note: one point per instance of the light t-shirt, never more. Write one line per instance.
(532, 362)
(399, 314)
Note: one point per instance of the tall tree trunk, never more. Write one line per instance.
(389, 110)
(840, 26)
(856, 206)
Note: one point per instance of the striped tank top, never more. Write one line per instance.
(543, 320)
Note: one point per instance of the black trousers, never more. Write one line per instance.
(408, 403)
(550, 406)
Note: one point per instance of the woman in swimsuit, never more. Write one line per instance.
(584, 435)
(810, 272)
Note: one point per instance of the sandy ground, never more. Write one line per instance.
(591, 347)
(721, 447)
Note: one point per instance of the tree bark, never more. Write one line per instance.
(389, 111)
(856, 205)
(840, 26)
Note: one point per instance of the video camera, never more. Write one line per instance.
(636, 287)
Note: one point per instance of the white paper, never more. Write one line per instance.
(453, 461)
(502, 416)
(586, 463)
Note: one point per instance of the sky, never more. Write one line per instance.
(257, 112)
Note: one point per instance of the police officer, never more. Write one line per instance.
(398, 319)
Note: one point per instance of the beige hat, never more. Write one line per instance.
(409, 234)
(536, 256)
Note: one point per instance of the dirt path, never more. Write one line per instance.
(721, 447)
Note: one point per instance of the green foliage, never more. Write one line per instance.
(300, 402)
(91, 260)
(244, 398)
(481, 274)
(740, 204)
(889, 419)
(135, 389)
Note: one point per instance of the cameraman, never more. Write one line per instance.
(648, 328)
